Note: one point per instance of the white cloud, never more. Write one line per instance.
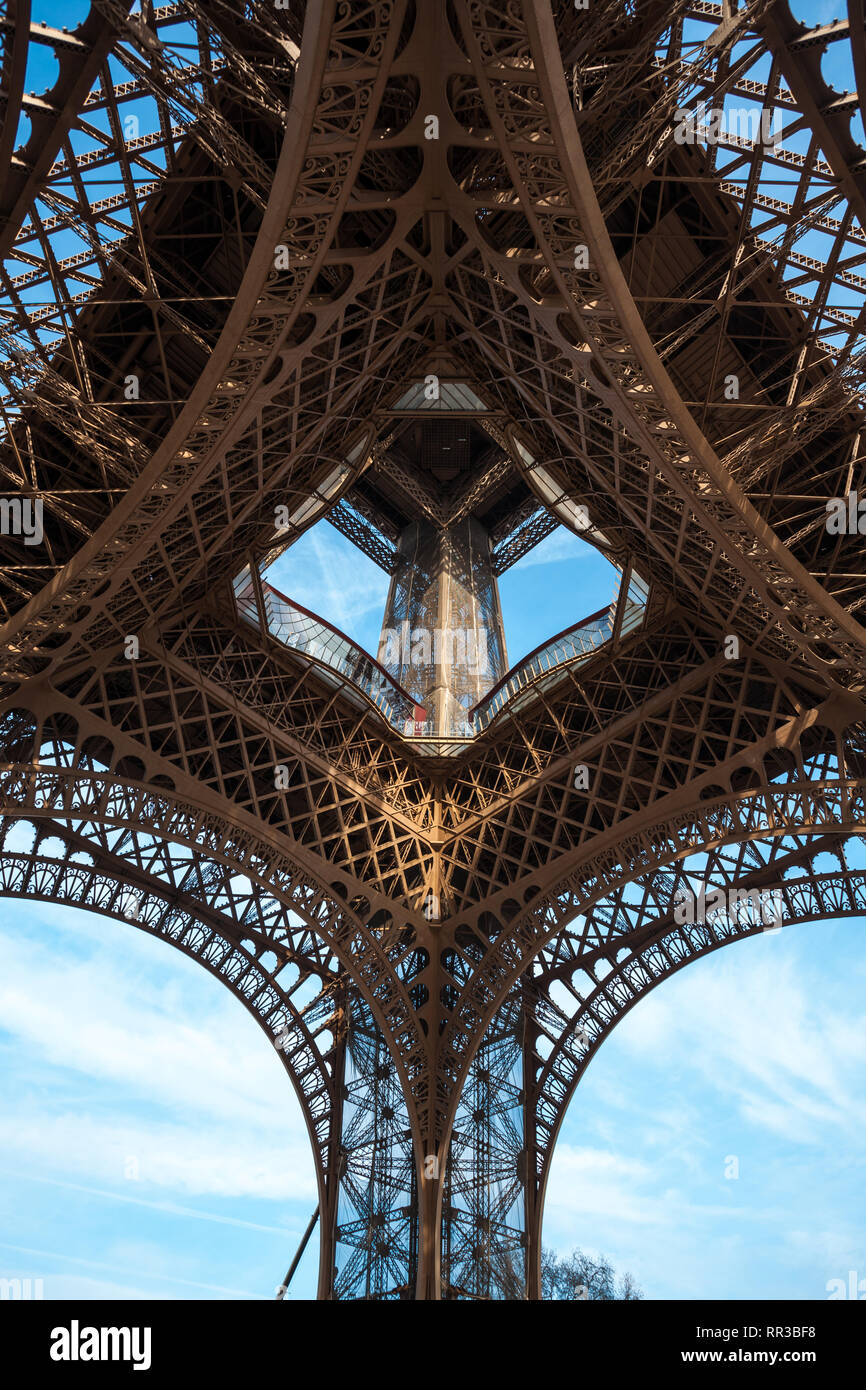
(561, 546)
(327, 574)
(190, 1159)
(96, 1018)
(751, 1052)
(192, 1089)
(602, 1182)
(765, 1036)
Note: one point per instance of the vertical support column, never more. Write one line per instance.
(382, 1230)
(528, 1159)
(442, 634)
(429, 1285)
(336, 1151)
(483, 1220)
(375, 1233)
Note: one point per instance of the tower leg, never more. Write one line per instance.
(442, 635)
(484, 1254)
(375, 1230)
(400, 1229)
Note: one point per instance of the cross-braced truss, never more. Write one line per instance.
(628, 242)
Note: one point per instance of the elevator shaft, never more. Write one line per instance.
(442, 636)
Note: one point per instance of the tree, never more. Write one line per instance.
(578, 1276)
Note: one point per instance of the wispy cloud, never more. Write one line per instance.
(721, 1100)
(561, 547)
(201, 1102)
(170, 1208)
(327, 574)
(99, 1289)
(792, 1064)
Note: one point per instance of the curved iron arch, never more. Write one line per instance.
(85, 878)
(51, 772)
(642, 958)
(834, 802)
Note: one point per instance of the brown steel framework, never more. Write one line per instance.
(316, 209)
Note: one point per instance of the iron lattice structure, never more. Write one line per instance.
(316, 210)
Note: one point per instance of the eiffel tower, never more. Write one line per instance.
(450, 273)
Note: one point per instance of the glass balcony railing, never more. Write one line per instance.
(567, 647)
(310, 635)
(356, 671)
(572, 646)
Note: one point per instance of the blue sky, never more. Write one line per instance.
(754, 1053)
(152, 1146)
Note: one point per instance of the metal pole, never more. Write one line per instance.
(283, 1289)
